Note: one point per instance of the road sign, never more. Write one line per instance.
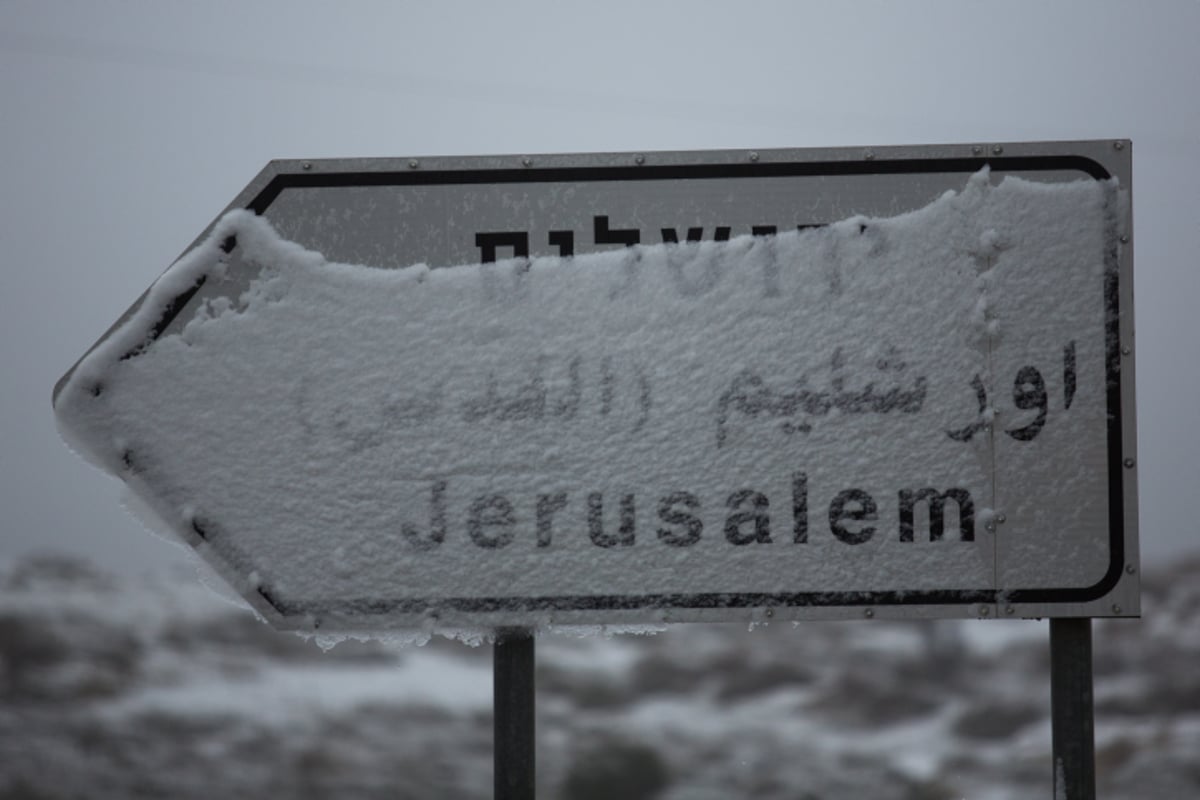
(695, 386)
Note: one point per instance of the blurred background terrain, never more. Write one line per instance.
(155, 687)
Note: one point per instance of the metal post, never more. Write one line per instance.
(512, 680)
(1071, 709)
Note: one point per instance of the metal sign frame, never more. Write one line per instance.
(1116, 593)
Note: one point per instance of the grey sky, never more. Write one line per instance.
(128, 126)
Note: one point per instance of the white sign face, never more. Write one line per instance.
(713, 386)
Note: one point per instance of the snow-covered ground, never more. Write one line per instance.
(157, 688)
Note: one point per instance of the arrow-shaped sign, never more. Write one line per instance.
(921, 414)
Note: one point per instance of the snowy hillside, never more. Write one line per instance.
(117, 689)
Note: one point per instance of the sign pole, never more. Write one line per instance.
(1071, 708)
(513, 683)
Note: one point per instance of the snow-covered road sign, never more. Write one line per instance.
(694, 386)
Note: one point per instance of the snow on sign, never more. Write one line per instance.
(691, 386)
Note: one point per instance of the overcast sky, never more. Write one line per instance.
(128, 126)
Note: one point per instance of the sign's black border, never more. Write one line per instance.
(261, 202)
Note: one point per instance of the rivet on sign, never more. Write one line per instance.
(1129, 462)
(306, 165)
(1116, 609)
(770, 612)
(997, 149)
(1124, 238)
(990, 526)
(983, 611)
(1126, 350)
(413, 163)
(526, 161)
(1001, 519)
(869, 155)
(639, 159)
(1130, 569)
(976, 150)
(1118, 145)
(870, 612)
(987, 428)
(1009, 610)
(753, 156)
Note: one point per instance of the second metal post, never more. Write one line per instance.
(1071, 709)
